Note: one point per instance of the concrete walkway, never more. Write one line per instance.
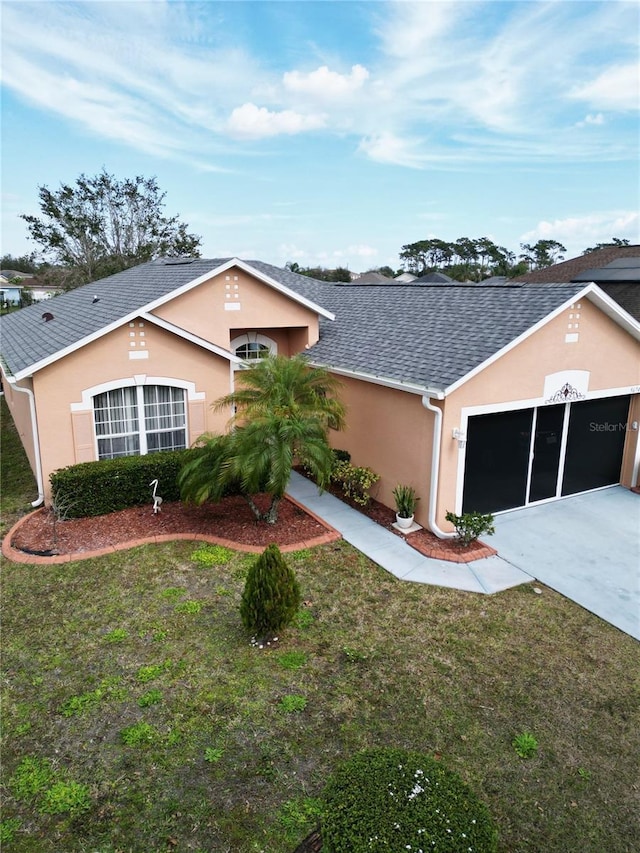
(586, 547)
(390, 551)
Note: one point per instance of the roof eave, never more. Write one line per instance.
(386, 381)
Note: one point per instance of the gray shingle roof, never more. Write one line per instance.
(426, 336)
(26, 338)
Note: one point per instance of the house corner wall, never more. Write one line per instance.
(20, 410)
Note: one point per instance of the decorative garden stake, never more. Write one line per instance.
(157, 500)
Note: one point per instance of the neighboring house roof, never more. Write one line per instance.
(30, 342)
(619, 277)
(622, 270)
(568, 270)
(433, 278)
(15, 274)
(433, 338)
(372, 278)
(406, 277)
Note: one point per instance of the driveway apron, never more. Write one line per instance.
(586, 547)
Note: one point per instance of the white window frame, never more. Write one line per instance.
(139, 381)
(252, 338)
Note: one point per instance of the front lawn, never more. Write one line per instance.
(138, 717)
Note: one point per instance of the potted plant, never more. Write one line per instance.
(406, 500)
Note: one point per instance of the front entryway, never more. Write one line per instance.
(525, 456)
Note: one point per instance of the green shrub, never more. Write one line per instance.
(341, 455)
(271, 595)
(470, 525)
(98, 488)
(354, 482)
(394, 799)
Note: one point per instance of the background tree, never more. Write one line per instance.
(542, 254)
(615, 241)
(101, 225)
(320, 273)
(283, 411)
(23, 263)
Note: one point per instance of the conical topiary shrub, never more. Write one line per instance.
(271, 596)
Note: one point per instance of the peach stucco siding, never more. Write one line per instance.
(59, 388)
(391, 432)
(233, 300)
(19, 406)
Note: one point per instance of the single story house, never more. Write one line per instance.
(482, 398)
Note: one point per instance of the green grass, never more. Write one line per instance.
(92, 762)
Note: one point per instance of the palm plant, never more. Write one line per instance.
(283, 409)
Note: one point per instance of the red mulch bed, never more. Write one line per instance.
(230, 519)
(424, 540)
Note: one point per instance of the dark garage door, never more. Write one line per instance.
(520, 457)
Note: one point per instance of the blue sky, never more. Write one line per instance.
(333, 133)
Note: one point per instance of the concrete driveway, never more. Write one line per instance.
(586, 547)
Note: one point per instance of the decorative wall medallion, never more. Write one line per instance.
(566, 394)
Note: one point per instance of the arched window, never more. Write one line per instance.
(140, 419)
(253, 346)
(252, 350)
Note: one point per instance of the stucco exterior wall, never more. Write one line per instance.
(20, 409)
(603, 349)
(59, 388)
(390, 432)
(235, 300)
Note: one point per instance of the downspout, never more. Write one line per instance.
(635, 479)
(36, 440)
(435, 468)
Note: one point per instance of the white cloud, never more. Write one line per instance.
(591, 119)
(389, 148)
(445, 82)
(325, 84)
(579, 232)
(253, 122)
(616, 88)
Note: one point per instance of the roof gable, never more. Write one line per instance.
(30, 341)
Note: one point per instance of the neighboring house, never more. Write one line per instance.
(372, 278)
(433, 278)
(615, 269)
(10, 291)
(482, 398)
(30, 282)
(405, 277)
